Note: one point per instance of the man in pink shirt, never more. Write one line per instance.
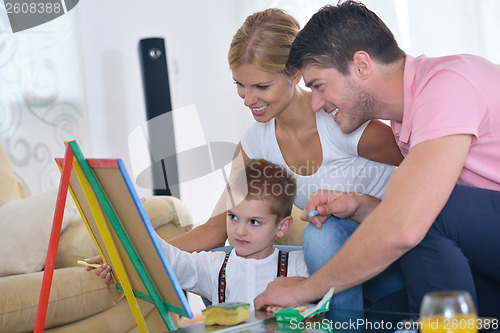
(454, 95)
(445, 114)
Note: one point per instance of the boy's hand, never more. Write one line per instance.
(104, 271)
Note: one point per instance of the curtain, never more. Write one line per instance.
(42, 99)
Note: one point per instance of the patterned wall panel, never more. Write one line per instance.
(42, 98)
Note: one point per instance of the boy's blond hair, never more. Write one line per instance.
(263, 180)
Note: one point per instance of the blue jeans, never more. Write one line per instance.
(321, 244)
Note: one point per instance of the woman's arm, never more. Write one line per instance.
(207, 236)
(212, 233)
(377, 143)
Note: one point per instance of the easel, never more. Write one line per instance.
(101, 189)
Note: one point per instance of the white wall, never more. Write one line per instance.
(42, 103)
(197, 35)
(196, 44)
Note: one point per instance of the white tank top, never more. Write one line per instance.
(341, 169)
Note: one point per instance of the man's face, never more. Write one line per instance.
(341, 96)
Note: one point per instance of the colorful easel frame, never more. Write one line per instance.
(122, 232)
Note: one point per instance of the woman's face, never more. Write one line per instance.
(266, 94)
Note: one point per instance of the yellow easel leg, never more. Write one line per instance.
(87, 225)
(110, 246)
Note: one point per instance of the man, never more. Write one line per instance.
(445, 115)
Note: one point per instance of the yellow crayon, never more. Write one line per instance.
(81, 262)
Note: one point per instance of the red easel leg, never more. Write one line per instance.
(53, 242)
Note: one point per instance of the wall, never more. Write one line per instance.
(197, 36)
(78, 77)
(42, 98)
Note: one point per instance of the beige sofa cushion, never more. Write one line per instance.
(117, 319)
(8, 184)
(75, 294)
(295, 235)
(26, 225)
(79, 300)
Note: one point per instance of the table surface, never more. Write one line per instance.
(340, 321)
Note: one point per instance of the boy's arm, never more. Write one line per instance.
(194, 271)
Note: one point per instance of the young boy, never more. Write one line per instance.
(261, 196)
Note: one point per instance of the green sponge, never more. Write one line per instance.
(226, 314)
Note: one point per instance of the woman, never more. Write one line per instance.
(308, 144)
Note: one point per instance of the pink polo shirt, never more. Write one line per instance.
(450, 95)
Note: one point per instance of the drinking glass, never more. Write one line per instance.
(448, 311)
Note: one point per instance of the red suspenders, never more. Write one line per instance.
(282, 271)
(222, 280)
(282, 264)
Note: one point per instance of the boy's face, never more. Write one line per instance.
(252, 229)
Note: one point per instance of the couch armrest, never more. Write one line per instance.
(169, 216)
(11, 188)
(75, 294)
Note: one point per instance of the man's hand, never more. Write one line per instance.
(340, 204)
(280, 293)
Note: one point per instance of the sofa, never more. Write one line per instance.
(79, 300)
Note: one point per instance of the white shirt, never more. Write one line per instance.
(198, 272)
(341, 169)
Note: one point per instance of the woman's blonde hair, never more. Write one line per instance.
(264, 40)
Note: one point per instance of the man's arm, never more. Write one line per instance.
(415, 196)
